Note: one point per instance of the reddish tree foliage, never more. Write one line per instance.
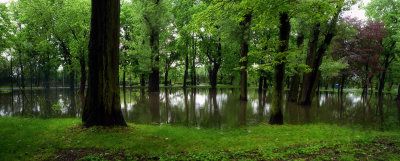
(362, 51)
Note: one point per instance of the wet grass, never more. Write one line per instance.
(66, 139)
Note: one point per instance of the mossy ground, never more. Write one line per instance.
(66, 139)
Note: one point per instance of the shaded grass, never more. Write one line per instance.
(37, 139)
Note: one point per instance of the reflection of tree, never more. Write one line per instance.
(154, 98)
(242, 113)
(193, 107)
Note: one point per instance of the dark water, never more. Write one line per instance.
(204, 108)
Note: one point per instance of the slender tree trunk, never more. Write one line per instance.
(21, 66)
(342, 84)
(193, 70)
(102, 105)
(82, 86)
(123, 80)
(244, 49)
(383, 76)
(166, 71)
(185, 76)
(279, 75)
(294, 88)
(142, 80)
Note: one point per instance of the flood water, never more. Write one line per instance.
(205, 108)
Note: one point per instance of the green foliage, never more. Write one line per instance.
(332, 68)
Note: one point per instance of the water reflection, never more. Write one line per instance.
(208, 108)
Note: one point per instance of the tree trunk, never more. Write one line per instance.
(260, 83)
(142, 80)
(216, 66)
(383, 76)
(244, 49)
(342, 84)
(166, 71)
(314, 60)
(154, 76)
(193, 70)
(185, 76)
(81, 91)
(294, 88)
(279, 75)
(102, 106)
(123, 80)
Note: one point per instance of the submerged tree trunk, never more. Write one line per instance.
(314, 60)
(294, 88)
(244, 49)
(279, 75)
(102, 106)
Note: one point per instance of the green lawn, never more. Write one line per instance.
(61, 139)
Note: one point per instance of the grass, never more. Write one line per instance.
(61, 139)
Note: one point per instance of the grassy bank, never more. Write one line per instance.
(62, 139)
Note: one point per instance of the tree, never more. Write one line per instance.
(102, 106)
(386, 11)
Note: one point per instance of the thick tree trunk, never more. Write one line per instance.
(279, 75)
(102, 106)
(216, 66)
(244, 49)
(314, 60)
(260, 83)
(154, 76)
(81, 91)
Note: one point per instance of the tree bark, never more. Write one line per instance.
(102, 106)
(81, 91)
(279, 75)
(142, 80)
(244, 49)
(154, 76)
(193, 70)
(294, 87)
(314, 60)
(185, 76)
(398, 93)
(383, 76)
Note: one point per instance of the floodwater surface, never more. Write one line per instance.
(205, 108)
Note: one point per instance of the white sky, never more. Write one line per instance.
(356, 12)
